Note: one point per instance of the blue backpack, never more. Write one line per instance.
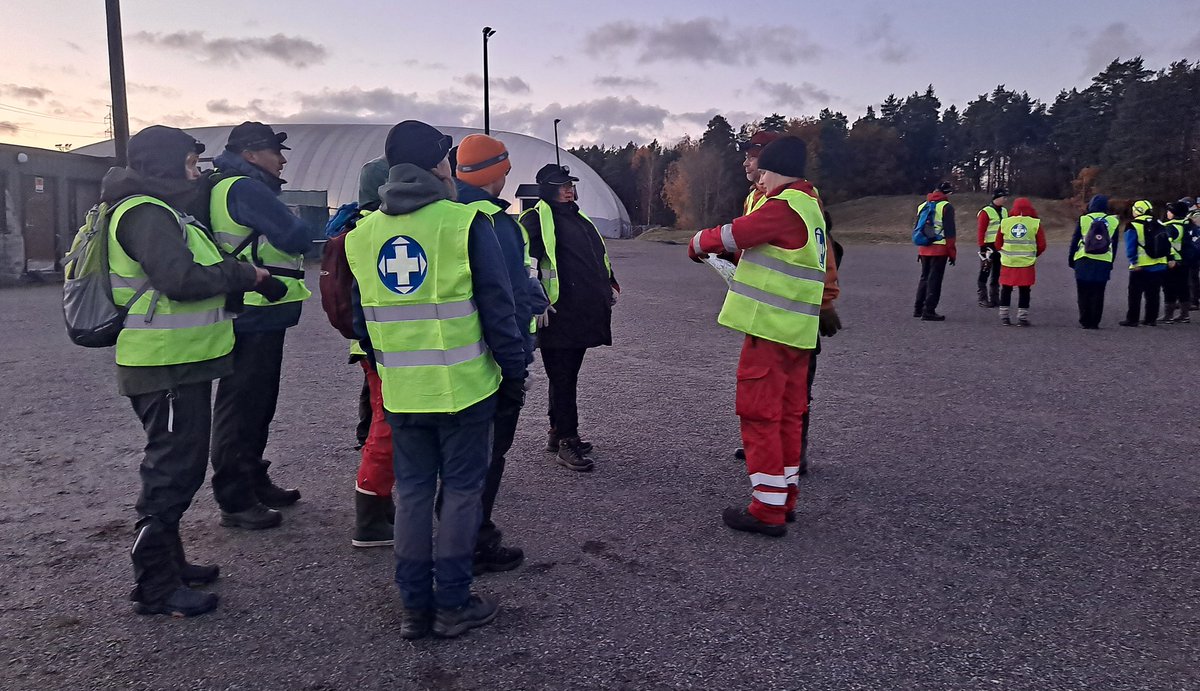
(342, 220)
(925, 232)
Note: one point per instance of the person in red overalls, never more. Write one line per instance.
(780, 297)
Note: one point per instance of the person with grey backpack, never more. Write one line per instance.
(1092, 249)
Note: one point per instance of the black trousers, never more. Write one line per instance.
(1175, 285)
(929, 289)
(1090, 297)
(1193, 270)
(364, 413)
(504, 430)
(562, 370)
(177, 425)
(990, 277)
(1144, 284)
(1023, 295)
(242, 417)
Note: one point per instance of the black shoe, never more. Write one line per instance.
(257, 517)
(918, 313)
(1126, 322)
(1021, 321)
(739, 453)
(182, 602)
(570, 456)
(498, 558)
(740, 519)
(932, 317)
(272, 496)
(983, 302)
(1150, 322)
(416, 623)
(479, 611)
(1005, 321)
(373, 517)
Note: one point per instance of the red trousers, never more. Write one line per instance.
(772, 397)
(375, 473)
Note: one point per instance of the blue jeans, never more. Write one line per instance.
(457, 450)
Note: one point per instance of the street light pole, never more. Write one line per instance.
(116, 76)
(488, 32)
(557, 161)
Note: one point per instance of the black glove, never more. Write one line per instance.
(235, 303)
(829, 323)
(272, 289)
(512, 390)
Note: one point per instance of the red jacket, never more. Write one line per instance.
(948, 229)
(773, 223)
(1021, 276)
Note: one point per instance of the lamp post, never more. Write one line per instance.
(116, 76)
(556, 158)
(488, 32)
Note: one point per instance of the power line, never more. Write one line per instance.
(25, 111)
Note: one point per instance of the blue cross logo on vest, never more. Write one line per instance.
(1019, 230)
(402, 265)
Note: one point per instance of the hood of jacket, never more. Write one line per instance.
(936, 196)
(1023, 207)
(409, 188)
(471, 193)
(119, 183)
(233, 164)
(1098, 204)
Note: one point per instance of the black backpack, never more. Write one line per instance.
(1157, 239)
(1096, 239)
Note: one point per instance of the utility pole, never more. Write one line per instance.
(116, 75)
(557, 161)
(488, 32)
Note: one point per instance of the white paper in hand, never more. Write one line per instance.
(721, 266)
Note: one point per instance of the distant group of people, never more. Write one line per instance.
(1163, 255)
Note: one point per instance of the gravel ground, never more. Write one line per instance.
(990, 508)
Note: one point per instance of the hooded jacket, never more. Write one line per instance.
(1089, 270)
(254, 202)
(150, 235)
(1021, 276)
(410, 188)
(949, 249)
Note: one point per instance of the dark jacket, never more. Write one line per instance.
(410, 188)
(583, 312)
(1089, 270)
(254, 202)
(528, 295)
(150, 235)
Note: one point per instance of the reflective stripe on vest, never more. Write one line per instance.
(995, 216)
(1085, 225)
(490, 209)
(1176, 229)
(159, 331)
(938, 220)
(776, 293)
(288, 268)
(549, 272)
(414, 278)
(1138, 225)
(1020, 241)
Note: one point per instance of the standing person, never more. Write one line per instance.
(250, 222)
(1020, 242)
(1145, 272)
(483, 167)
(1175, 284)
(988, 225)
(177, 339)
(752, 148)
(934, 257)
(1093, 268)
(434, 312)
(780, 299)
(572, 262)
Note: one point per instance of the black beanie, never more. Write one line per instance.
(1178, 209)
(415, 142)
(785, 156)
(160, 152)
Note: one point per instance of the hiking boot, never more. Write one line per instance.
(739, 453)
(1126, 322)
(182, 602)
(479, 611)
(257, 517)
(497, 557)
(373, 517)
(741, 519)
(552, 441)
(932, 317)
(570, 456)
(416, 623)
(273, 496)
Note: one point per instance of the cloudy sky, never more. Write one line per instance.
(613, 71)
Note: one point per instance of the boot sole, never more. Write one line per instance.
(581, 468)
(151, 610)
(463, 626)
(372, 543)
(493, 567)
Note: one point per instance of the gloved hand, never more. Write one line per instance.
(984, 254)
(543, 319)
(512, 390)
(828, 322)
(271, 288)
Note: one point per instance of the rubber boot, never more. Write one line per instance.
(1004, 319)
(372, 520)
(1023, 317)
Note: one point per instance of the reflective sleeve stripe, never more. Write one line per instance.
(431, 358)
(727, 238)
(176, 321)
(119, 281)
(696, 243)
(774, 300)
(769, 262)
(767, 480)
(231, 239)
(405, 313)
(771, 498)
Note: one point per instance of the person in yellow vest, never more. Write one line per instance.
(780, 299)
(1020, 241)
(1145, 272)
(1092, 249)
(434, 312)
(176, 340)
(988, 225)
(752, 148)
(572, 262)
(1176, 290)
(249, 221)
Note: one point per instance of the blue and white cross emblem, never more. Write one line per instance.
(402, 265)
(1019, 230)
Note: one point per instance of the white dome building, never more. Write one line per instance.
(328, 158)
